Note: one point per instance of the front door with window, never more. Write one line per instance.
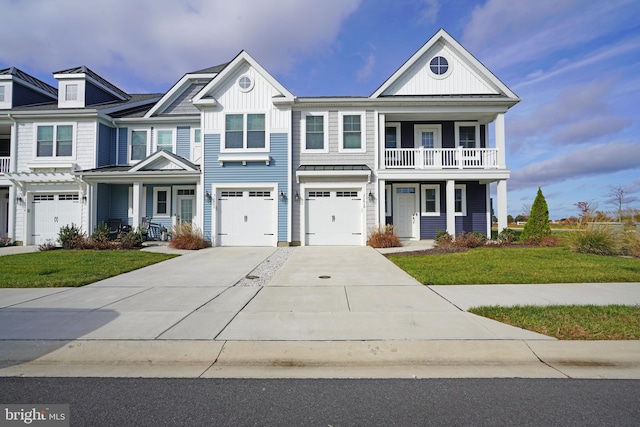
(185, 206)
(406, 216)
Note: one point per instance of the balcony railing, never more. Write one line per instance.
(441, 158)
(4, 165)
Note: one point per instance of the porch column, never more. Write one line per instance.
(450, 195)
(11, 220)
(500, 141)
(381, 140)
(502, 205)
(382, 203)
(198, 208)
(137, 196)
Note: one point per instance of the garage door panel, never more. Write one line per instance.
(50, 212)
(246, 217)
(333, 217)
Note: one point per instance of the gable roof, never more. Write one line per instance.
(30, 80)
(242, 57)
(441, 36)
(182, 85)
(85, 70)
(164, 158)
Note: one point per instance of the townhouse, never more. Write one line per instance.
(231, 150)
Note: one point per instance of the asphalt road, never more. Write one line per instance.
(230, 402)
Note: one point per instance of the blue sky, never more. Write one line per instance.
(574, 63)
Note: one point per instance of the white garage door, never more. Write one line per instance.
(334, 217)
(246, 217)
(50, 212)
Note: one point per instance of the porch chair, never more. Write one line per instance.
(115, 228)
(149, 230)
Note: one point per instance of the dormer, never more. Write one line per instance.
(80, 87)
(18, 88)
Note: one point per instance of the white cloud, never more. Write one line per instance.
(430, 11)
(159, 40)
(366, 71)
(596, 160)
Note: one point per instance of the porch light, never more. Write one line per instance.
(207, 195)
(282, 196)
(371, 196)
(297, 197)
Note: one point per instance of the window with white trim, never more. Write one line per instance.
(430, 203)
(245, 131)
(352, 132)
(139, 144)
(314, 132)
(54, 140)
(2, 93)
(461, 200)
(165, 140)
(71, 92)
(387, 200)
(197, 136)
(467, 135)
(161, 201)
(392, 135)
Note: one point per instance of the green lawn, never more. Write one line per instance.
(61, 268)
(570, 322)
(514, 265)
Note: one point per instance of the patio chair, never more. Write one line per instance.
(149, 230)
(115, 227)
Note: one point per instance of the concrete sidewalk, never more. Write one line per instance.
(327, 312)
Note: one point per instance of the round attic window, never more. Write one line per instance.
(439, 66)
(245, 83)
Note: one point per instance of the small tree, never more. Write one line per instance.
(537, 227)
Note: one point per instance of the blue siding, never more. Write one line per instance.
(252, 172)
(94, 95)
(106, 145)
(476, 218)
(113, 202)
(122, 147)
(25, 96)
(183, 142)
(167, 222)
(448, 133)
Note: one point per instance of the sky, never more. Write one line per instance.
(574, 63)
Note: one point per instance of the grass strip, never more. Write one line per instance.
(571, 322)
(69, 268)
(513, 265)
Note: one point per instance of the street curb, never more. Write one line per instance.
(323, 359)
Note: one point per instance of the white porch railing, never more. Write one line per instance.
(4, 165)
(441, 158)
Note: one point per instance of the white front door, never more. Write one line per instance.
(185, 205)
(406, 217)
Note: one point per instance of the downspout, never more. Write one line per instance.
(13, 162)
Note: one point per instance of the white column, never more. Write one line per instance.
(137, 193)
(381, 140)
(382, 203)
(502, 205)
(450, 195)
(12, 213)
(500, 141)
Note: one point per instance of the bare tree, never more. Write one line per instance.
(586, 210)
(618, 196)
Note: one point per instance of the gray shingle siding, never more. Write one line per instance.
(182, 104)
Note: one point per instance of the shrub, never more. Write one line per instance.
(443, 238)
(131, 240)
(631, 245)
(507, 236)
(383, 237)
(597, 240)
(48, 245)
(537, 226)
(187, 236)
(5, 241)
(71, 236)
(101, 232)
(470, 240)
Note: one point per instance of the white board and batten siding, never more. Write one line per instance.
(464, 78)
(230, 99)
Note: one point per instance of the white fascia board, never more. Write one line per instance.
(176, 177)
(341, 173)
(156, 156)
(176, 90)
(56, 114)
(87, 77)
(486, 175)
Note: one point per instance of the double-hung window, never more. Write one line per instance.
(468, 135)
(461, 200)
(315, 132)
(54, 141)
(164, 140)
(161, 201)
(352, 132)
(2, 93)
(430, 199)
(245, 131)
(139, 142)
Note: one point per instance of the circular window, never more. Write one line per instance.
(439, 65)
(245, 83)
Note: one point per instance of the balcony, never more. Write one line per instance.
(441, 158)
(4, 165)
